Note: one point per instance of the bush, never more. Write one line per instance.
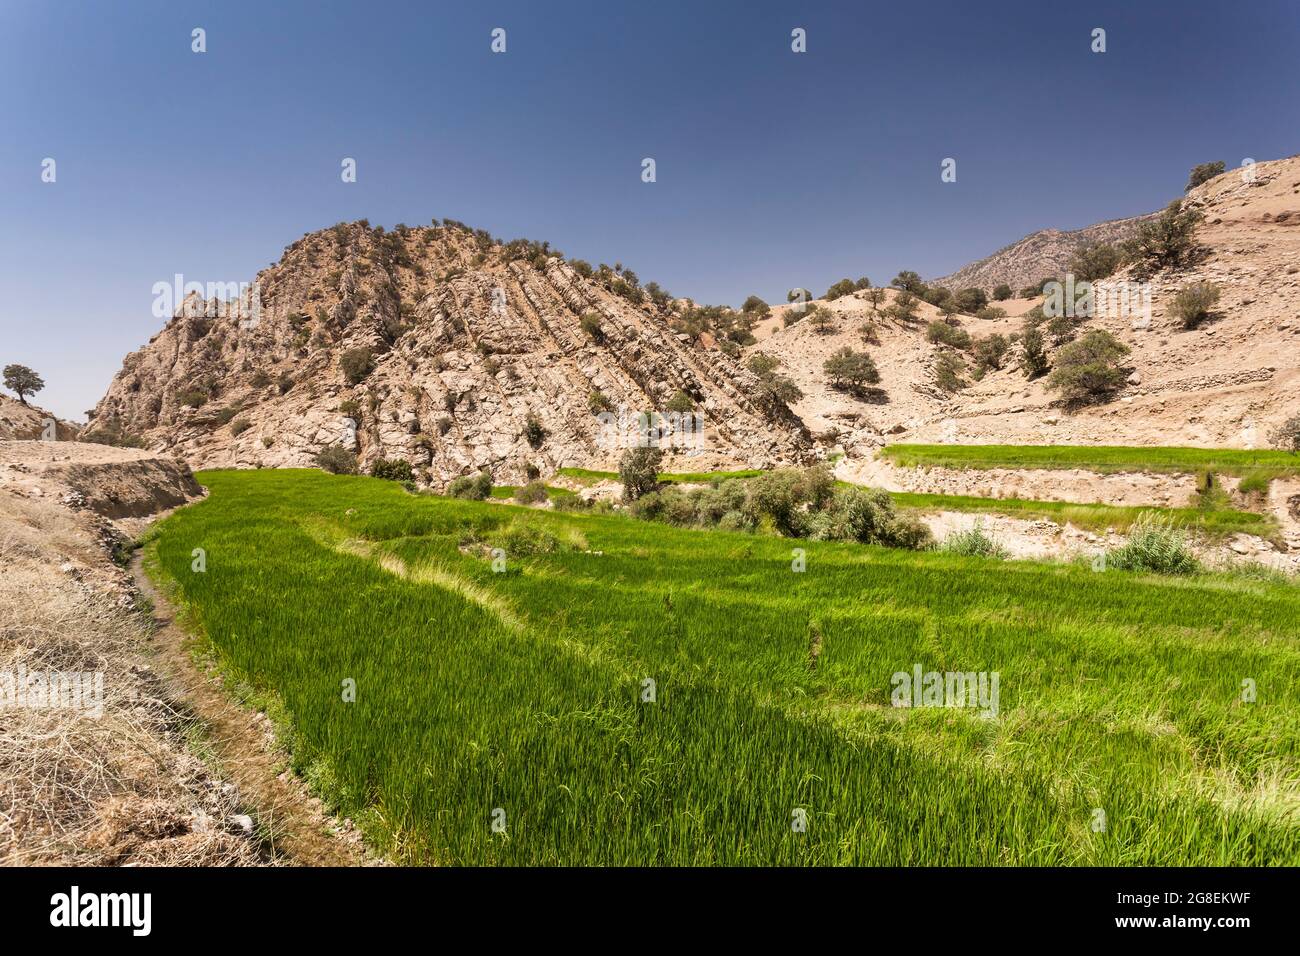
(948, 371)
(1203, 172)
(1287, 435)
(1002, 292)
(337, 460)
(1193, 303)
(1165, 242)
(260, 379)
(680, 403)
(471, 487)
(395, 470)
(590, 322)
(1154, 544)
(854, 369)
(599, 402)
(357, 364)
(534, 433)
(638, 470)
(192, 398)
(991, 351)
(1095, 261)
(842, 288)
(869, 516)
(240, 426)
(903, 309)
(773, 388)
(990, 312)
(1088, 369)
(756, 306)
(971, 300)
(974, 543)
(798, 295)
(942, 333)
(532, 493)
(1033, 352)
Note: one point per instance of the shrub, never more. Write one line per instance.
(680, 403)
(395, 470)
(350, 408)
(285, 383)
(909, 281)
(1155, 543)
(847, 367)
(991, 351)
(1088, 369)
(1165, 242)
(869, 333)
(971, 300)
(944, 334)
(1287, 435)
(756, 306)
(357, 364)
(260, 379)
(638, 470)
(990, 312)
(1193, 303)
(227, 414)
(798, 295)
(1096, 260)
(903, 309)
(240, 426)
(948, 371)
(113, 435)
(192, 398)
(1002, 292)
(820, 319)
(534, 433)
(842, 288)
(599, 402)
(590, 322)
(1033, 352)
(337, 460)
(471, 487)
(869, 516)
(1203, 172)
(974, 543)
(773, 388)
(532, 493)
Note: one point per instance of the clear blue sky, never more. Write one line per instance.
(774, 168)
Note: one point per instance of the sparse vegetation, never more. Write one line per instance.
(337, 460)
(1155, 544)
(847, 368)
(1203, 173)
(1088, 369)
(1166, 242)
(395, 469)
(1194, 304)
(476, 487)
(356, 364)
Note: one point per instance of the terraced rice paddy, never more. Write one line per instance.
(1099, 458)
(520, 695)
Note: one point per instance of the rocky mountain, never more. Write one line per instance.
(1226, 383)
(1040, 255)
(19, 420)
(441, 346)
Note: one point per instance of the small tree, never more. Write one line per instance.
(534, 432)
(1202, 173)
(1097, 260)
(904, 308)
(1033, 352)
(22, 381)
(756, 306)
(1165, 242)
(1088, 369)
(680, 403)
(590, 322)
(909, 281)
(1193, 303)
(337, 460)
(876, 296)
(820, 319)
(841, 288)
(798, 295)
(972, 300)
(394, 470)
(941, 333)
(868, 332)
(638, 470)
(357, 364)
(847, 367)
(991, 351)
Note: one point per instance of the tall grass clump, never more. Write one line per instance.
(1155, 543)
(975, 542)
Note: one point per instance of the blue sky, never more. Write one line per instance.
(774, 168)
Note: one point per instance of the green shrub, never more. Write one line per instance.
(680, 403)
(942, 333)
(756, 306)
(1194, 303)
(971, 300)
(1154, 544)
(1033, 353)
(948, 371)
(638, 470)
(240, 426)
(974, 543)
(599, 402)
(260, 379)
(1002, 292)
(227, 414)
(357, 364)
(1203, 172)
(1166, 242)
(192, 398)
(337, 460)
(590, 323)
(853, 369)
(1088, 369)
(394, 470)
(991, 351)
(532, 493)
(990, 313)
(471, 487)
(534, 432)
(842, 288)
(1095, 261)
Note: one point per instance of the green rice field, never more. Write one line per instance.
(1103, 459)
(539, 688)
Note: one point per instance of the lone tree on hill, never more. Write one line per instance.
(22, 381)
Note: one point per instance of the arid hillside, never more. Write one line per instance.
(445, 348)
(18, 420)
(1225, 383)
(1040, 255)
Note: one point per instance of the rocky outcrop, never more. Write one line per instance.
(474, 344)
(20, 421)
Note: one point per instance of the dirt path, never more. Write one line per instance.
(301, 833)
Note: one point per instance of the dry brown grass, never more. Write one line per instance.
(75, 789)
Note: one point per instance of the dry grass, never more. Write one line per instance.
(77, 789)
